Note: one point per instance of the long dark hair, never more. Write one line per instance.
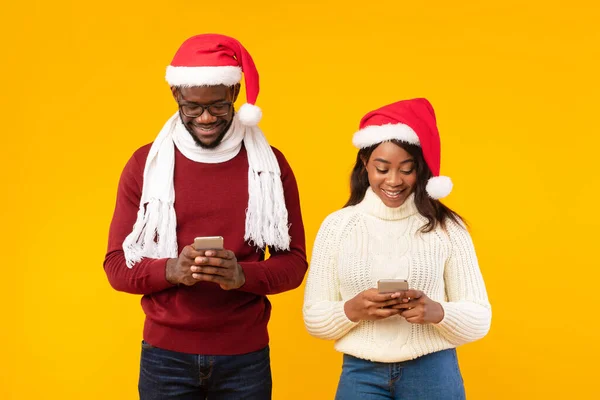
(435, 212)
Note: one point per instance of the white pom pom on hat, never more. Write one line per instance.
(250, 114)
(439, 187)
(412, 121)
(212, 59)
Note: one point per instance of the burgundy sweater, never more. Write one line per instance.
(210, 200)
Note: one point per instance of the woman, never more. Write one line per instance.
(401, 344)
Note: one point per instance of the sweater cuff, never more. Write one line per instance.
(463, 324)
(328, 321)
(156, 278)
(256, 280)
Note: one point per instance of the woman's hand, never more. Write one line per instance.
(370, 305)
(417, 308)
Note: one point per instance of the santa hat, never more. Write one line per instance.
(210, 60)
(411, 121)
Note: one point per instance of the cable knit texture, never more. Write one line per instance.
(358, 245)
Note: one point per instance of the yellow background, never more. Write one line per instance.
(515, 85)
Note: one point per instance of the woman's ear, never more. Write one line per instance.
(364, 161)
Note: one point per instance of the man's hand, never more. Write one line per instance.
(178, 269)
(219, 266)
(371, 305)
(417, 308)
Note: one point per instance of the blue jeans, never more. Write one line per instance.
(430, 377)
(166, 374)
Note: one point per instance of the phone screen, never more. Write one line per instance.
(208, 243)
(392, 285)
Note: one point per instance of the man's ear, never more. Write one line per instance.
(175, 92)
(236, 92)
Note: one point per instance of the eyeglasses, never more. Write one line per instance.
(194, 110)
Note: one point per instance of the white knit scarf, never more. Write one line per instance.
(154, 232)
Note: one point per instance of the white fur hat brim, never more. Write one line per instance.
(374, 134)
(203, 76)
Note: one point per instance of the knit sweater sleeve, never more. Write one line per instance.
(467, 313)
(148, 275)
(324, 315)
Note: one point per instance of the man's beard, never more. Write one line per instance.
(211, 145)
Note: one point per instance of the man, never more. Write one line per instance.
(210, 172)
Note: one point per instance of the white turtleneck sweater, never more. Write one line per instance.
(358, 245)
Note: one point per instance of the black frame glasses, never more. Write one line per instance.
(215, 109)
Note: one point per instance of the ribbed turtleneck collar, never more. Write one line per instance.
(374, 206)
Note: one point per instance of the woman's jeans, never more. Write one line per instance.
(430, 377)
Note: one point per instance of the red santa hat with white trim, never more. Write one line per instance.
(210, 60)
(411, 121)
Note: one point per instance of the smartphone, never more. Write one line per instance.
(208, 243)
(392, 285)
